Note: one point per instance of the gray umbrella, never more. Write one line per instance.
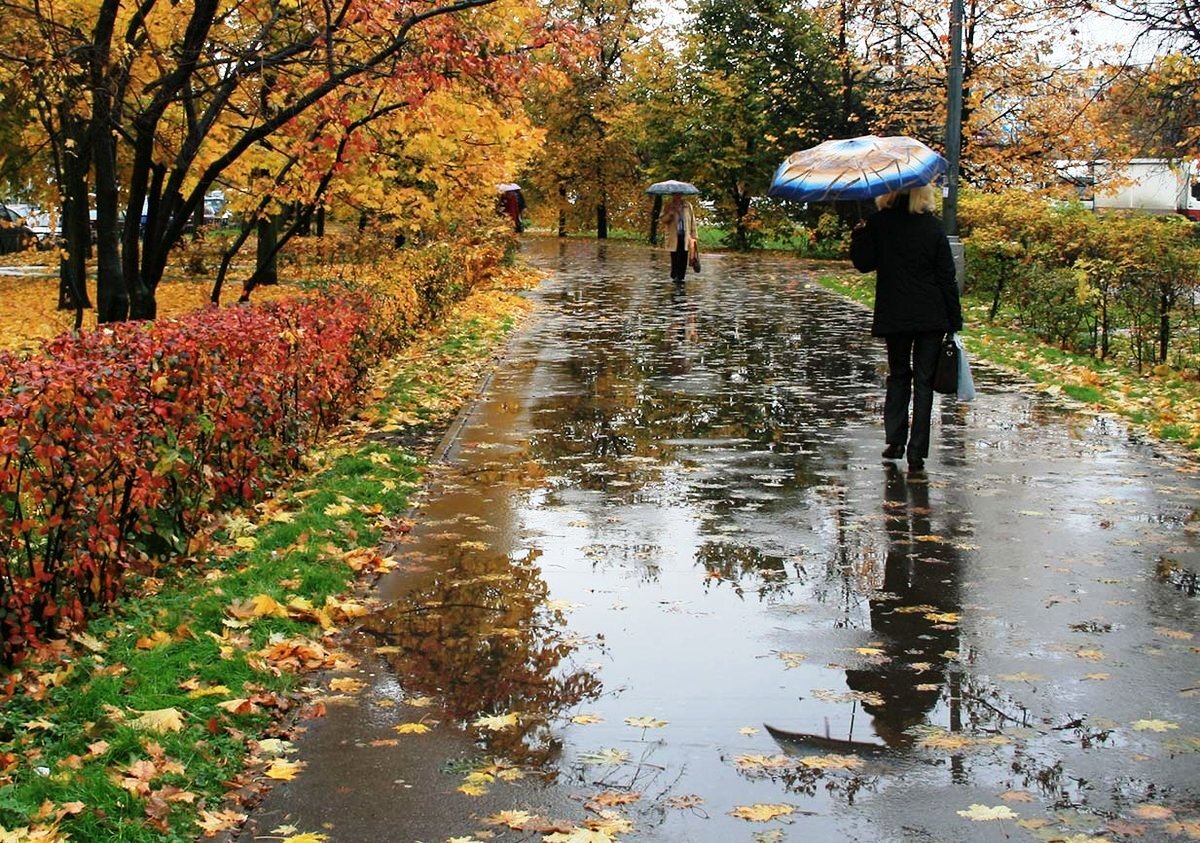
(670, 186)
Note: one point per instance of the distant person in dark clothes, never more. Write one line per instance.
(916, 305)
(512, 203)
(679, 222)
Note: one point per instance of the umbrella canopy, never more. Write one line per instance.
(505, 187)
(856, 168)
(665, 188)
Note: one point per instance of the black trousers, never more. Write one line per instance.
(911, 360)
(679, 261)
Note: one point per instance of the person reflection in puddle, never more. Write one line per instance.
(913, 617)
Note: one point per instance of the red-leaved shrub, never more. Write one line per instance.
(117, 444)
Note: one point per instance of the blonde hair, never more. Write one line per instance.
(921, 200)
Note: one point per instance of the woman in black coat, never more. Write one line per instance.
(916, 304)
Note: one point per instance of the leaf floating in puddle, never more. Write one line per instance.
(943, 617)
(1098, 677)
(498, 722)
(982, 813)
(1177, 634)
(586, 719)
(687, 802)
(609, 757)
(748, 731)
(1020, 677)
(865, 697)
(761, 813)
(1153, 726)
(790, 659)
(645, 722)
(1153, 812)
(579, 835)
(832, 762)
(1018, 796)
(411, 728)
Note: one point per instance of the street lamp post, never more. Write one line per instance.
(954, 103)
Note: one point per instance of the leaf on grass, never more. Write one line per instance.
(212, 691)
(238, 706)
(761, 812)
(213, 823)
(159, 720)
(156, 639)
(982, 813)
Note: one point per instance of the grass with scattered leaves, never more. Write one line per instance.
(152, 724)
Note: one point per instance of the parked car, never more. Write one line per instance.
(15, 235)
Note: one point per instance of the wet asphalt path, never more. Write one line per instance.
(666, 526)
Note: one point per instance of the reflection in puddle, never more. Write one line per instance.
(666, 568)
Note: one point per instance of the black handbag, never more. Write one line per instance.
(945, 373)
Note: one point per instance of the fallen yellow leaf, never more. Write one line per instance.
(761, 812)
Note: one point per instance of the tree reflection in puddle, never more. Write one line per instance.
(484, 639)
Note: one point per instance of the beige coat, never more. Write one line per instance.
(671, 224)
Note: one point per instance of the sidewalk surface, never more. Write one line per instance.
(666, 527)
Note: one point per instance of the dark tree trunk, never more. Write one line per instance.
(655, 215)
(266, 265)
(741, 233)
(562, 210)
(1165, 300)
(602, 221)
(320, 220)
(111, 296)
(77, 233)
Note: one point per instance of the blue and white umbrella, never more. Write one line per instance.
(856, 168)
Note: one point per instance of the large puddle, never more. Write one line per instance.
(664, 584)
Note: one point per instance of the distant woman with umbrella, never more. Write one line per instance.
(916, 305)
(679, 221)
